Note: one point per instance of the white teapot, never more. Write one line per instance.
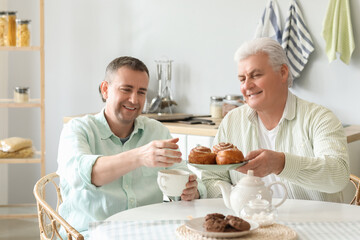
(248, 188)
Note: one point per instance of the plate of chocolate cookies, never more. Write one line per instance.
(222, 157)
(216, 225)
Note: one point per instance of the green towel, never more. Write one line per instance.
(337, 31)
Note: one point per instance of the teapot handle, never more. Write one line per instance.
(285, 192)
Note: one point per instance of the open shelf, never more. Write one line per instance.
(33, 48)
(9, 103)
(35, 159)
(14, 211)
(11, 211)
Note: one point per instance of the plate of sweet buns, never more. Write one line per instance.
(222, 157)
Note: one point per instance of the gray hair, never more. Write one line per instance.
(276, 54)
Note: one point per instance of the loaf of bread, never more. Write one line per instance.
(14, 144)
(22, 153)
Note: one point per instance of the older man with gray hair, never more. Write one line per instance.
(285, 138)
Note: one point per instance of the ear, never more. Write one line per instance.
(104, 89)
(284, 71)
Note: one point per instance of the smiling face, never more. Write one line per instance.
(263, 88)
(125, 96)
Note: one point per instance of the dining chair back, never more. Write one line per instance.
(356, 181)
(50, 220)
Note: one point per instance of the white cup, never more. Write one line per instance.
(172, 182)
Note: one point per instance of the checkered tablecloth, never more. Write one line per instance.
(165, 229)
(326, 230)
(135, 230)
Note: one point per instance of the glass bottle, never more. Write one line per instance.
(216, 106)
(231, 102)
(10, 37)
(22, 33)
(21, 94)
(3, 28)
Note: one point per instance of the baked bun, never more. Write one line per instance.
(229, 156)
(222, 146)
(202, 155)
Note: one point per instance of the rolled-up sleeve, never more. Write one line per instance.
(75, 159)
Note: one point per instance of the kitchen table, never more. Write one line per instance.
(309, 219)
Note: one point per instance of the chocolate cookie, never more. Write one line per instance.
(229, 228)
(238, 223)
(215, 224)
(214, 215)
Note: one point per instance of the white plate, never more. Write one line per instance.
(196, 225)
(216, 167)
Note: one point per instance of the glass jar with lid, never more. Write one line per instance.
(230, 102)
(22, 33)
(3, 27)
(10, 34)
(21, 94)
(216, 106)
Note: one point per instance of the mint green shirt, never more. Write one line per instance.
(85, 139)
(314, 143)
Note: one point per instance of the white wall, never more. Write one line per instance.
(83, 36)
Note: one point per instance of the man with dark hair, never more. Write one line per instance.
(108, 162)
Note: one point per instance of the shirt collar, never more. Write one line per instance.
(289, 110)
(105, 128)
(290, 107)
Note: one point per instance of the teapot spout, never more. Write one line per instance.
(225, 190)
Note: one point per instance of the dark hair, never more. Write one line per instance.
(130, 62)
(102, 98)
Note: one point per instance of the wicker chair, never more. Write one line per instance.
(50, 220)
(356, 181)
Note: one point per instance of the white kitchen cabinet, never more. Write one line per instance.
(188, 142)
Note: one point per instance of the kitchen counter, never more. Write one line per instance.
(352, 132)
(194, 129)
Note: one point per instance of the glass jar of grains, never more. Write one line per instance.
(216, 106)
(21, 94)
(22, 33)
(3, 27)
(230, 102)
(10, 34)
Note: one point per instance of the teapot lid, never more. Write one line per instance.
(251, 180)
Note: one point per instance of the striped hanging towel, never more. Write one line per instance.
(296, 40)
(269, 24)
(337, 31)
